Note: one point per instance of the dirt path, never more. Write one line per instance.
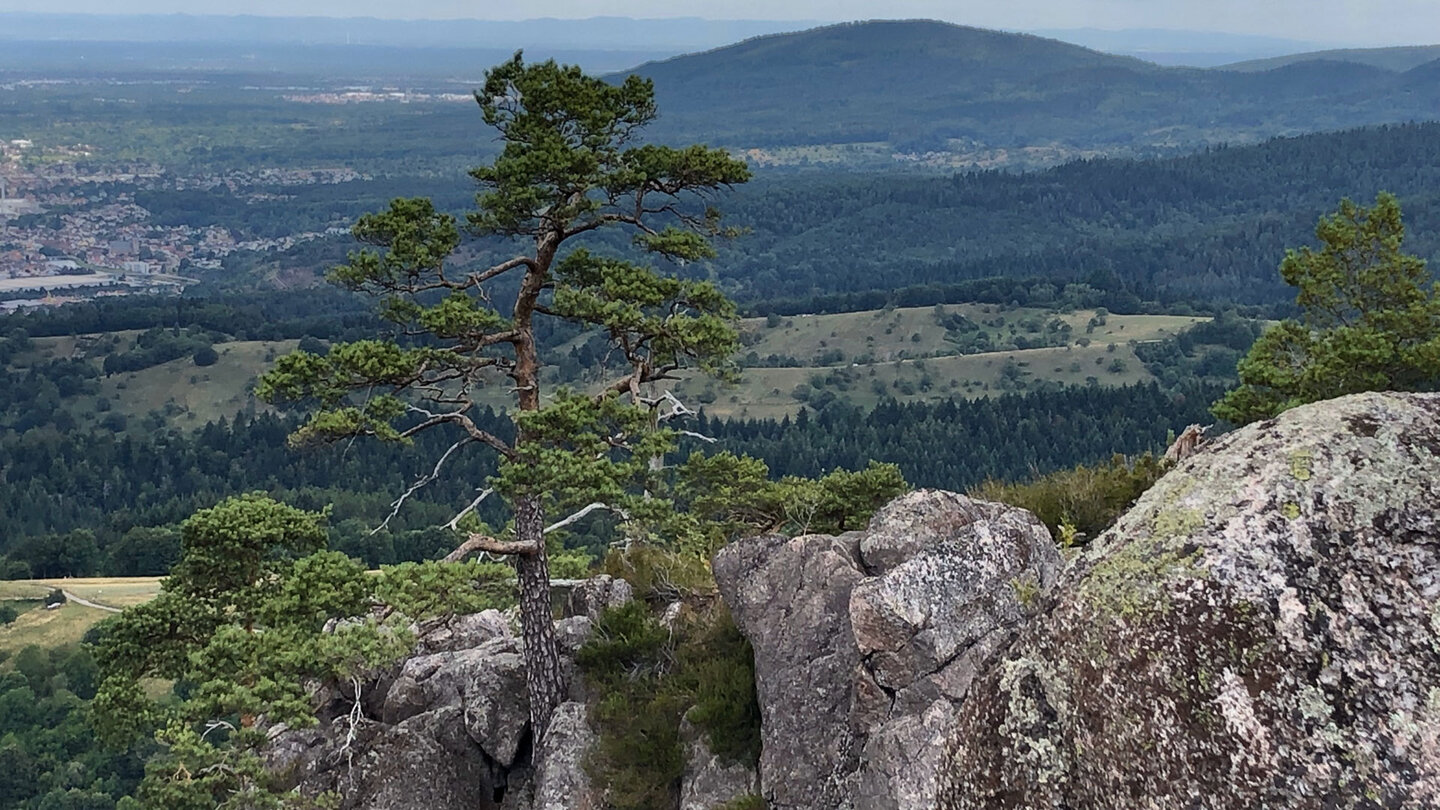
(79, 600)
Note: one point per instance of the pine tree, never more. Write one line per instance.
(570, 166)
(1371, 320)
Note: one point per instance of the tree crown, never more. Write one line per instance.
(1370, 319)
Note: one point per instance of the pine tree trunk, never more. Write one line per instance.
(543, 678)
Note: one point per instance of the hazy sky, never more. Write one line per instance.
(1348, 21)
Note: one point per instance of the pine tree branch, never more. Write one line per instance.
(486, 544)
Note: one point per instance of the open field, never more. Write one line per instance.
(116, 592)
(192, 395)
(885, 335)
(49, 628)
(772, 392)
(904, 353)
(67, 624)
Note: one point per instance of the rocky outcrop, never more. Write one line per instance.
(449, 727)
(711, 781)
(560, 781)
(1260, 630)
(791, 599)
(866, 642)
(593, 596)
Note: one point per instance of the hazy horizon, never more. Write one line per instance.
(1331, 23)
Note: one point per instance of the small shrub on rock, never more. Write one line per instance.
(1085, 500)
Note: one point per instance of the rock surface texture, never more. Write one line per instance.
(1262, 629)
(449, 727)
(866, 643)
(710, 781)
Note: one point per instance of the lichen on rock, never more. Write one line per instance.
(1259, 630)
(866, 643)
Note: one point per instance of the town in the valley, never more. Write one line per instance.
(70, 227)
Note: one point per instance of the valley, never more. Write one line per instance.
(734, 403)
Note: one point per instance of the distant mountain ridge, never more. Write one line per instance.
(921, 86)
(1397, 59)
(1180, 47)
(664, 35)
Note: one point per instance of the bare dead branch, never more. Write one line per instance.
(585, 511)
(419, 484)
(677, 408)
(455, 521)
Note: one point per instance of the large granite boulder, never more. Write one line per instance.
(865, 643)
(459, 703)
(710, 781)
(560, 781)
(1260, 630)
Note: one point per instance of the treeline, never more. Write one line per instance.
(322, 313)
(85, 502)
(1208, 351)
(155, 346)
(1100, 289)
(1208, 227)
(957, 444)
(261, 315)
(105, 484)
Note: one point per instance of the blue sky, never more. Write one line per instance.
(1336, 21)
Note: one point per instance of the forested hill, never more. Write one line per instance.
(1400, 59)
(921, 85)
(1211, 226)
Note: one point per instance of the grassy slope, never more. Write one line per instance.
(68, 623)
(190, 396)
(887, 336)
(888, 333)
(768, 392)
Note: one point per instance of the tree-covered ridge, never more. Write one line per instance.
(924, 86)
(1205, 227)
(1211, 226)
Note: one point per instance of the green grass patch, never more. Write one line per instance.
(49, 629)
(67, 624)
(191, 395)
